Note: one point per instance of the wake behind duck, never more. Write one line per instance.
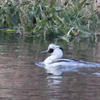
(56, 65)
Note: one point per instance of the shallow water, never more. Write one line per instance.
(21, 79)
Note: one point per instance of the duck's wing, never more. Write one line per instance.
(67, 61)
(60, 60)
(74, 62)
(58, 66)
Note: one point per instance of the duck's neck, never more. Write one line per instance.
(48, 60)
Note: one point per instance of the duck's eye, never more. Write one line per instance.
(51, 50)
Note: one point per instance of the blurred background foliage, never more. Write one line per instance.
(49, 18)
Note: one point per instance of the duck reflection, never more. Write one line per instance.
(54, 87)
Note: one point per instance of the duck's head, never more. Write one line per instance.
(55, 51)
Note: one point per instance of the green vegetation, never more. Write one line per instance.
(49, 18)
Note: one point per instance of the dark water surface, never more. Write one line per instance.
(21, 79)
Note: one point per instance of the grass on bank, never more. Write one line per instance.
(49, 18)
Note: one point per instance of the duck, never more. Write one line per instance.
(55, 64)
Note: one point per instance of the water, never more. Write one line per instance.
(21, 79)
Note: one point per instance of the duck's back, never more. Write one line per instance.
(70, 64)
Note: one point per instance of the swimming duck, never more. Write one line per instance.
(56, 65)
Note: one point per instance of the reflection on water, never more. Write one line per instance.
(21, 79)
(53, 87)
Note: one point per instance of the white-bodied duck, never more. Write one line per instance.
(56, 65)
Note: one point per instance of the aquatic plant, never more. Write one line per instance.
(49, 18)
